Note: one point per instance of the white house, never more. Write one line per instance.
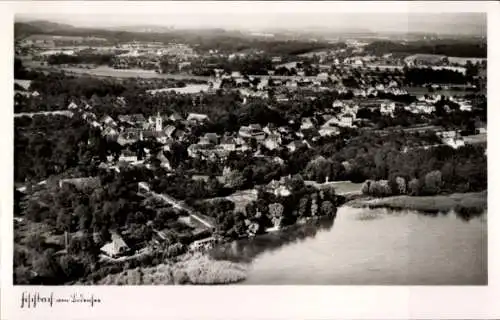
(346, 121)
(202, 244)
(387, 108)
(116, 247)
(306, 124)
(272, 142)
(128, 156)
(197, 117)
(328, 131)
(465, 106)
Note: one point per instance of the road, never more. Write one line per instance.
(44, 113)
(180, 205)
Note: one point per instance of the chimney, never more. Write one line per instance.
(66, 240)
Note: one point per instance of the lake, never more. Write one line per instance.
(368, 247)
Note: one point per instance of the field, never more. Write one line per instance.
(443, 203)
(419, 91)
(477, 138)
(131, 73)
(341, 187)
(191, 269)
(190, 88)
(463, 61)
(240, 198)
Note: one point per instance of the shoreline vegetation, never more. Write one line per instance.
(470, 202)
(190, 269)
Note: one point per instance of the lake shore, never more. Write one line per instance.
(190, 268)
(441, 203)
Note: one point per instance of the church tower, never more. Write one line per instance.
(159, 122)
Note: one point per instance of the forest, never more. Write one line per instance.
(452, 48)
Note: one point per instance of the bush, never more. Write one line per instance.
(380, 188)
(365, 189)
(400, 184)
(433, 182)
(414, 187)
(327, 208)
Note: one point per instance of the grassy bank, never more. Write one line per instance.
(457, 201)
(190, 269)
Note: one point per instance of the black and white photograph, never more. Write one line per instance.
(250, 149)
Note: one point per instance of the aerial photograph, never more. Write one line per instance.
(250, 149)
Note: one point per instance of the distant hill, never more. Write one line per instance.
(23, 29)
(48, 26)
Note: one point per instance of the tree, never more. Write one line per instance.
(401, 185)
(235, 180)
(365, 188)
(47, 268)
(314, 204)
(276, 211)
(35, 241)
(327, 208)
(303, 206)
(414, 187)
(433, 182)
(71, 267)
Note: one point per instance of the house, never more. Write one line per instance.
(108, 121)
(117, 247)
(89, 116)
(228, 143)
(337, 104)
(128, 156)
(346, 121)
(202, 244)
(278, 188)
(306, 124)
(387, 108)
(263, 84)
(270, 128)
(393, 84)
(72, 106)
(25, 84)
(169, 131)
(278, 160)
(129, 137)
(323, 76)
(451, 134)
(295, 145)
(465, 106)
(272, 142)
(212, 138)
(81, 183)
(197, 117)
(276, 60)
(328, 131)
(164, 162)
(179, 135)
(132, 119)
(110, 132)
(159, 136)
(455, 143)
(235, 74)
(424, 108)
(252, 131)
(175, 117)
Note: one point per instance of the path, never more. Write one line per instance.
(180, 205)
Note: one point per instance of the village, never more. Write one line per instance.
(236, 144)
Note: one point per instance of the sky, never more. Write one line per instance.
(258, 17)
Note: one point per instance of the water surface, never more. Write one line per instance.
(369, 247)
